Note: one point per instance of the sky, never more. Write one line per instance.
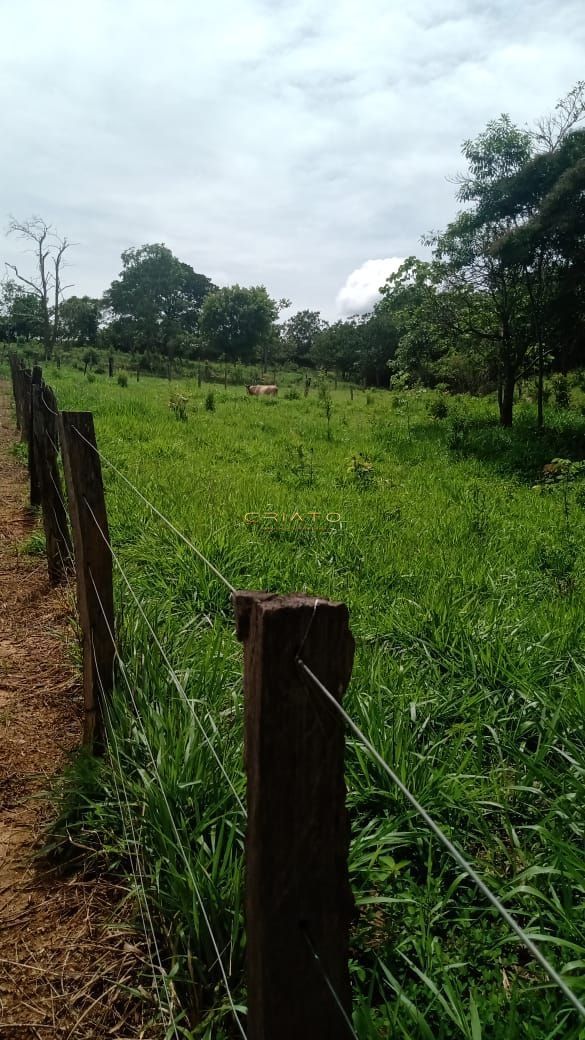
(305, 145)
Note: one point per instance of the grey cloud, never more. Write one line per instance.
(284, 143)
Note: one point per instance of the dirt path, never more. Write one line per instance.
(64, 946)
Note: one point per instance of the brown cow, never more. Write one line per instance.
(259, 391)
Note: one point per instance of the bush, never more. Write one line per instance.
(90, 377)
(210, 401)
(437, 408)
(292, 395)
(122, 379)
(561, 391)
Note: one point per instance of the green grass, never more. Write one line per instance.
(466, 594)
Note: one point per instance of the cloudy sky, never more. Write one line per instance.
(302, 144)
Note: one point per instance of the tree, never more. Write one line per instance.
(300, 333)
(80, 317)
(45, 284)
(20, 311)
(547, 200)
(156, 298)
(338, 347)
(473, 273)
(236, 322)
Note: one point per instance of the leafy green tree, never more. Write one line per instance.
(80, 318)
(21, 312)
(548, 239)
(470, 268)
(237, 322)
(155, 298)
(300, 333)
(337, 347)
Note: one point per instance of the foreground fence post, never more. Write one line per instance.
(93, 566)
(298, 900)
(45, 441)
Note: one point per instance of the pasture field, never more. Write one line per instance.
(466, 594)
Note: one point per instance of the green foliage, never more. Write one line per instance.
(561, 391)
(300, 334)
(210, 401)
(122, 379)
(235, 321)
(178, 405)
(361, 469)
(437, 408)
(79, 318)
(156, 299)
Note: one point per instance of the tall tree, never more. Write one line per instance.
(20, 311)
(80, 317)
(300, 332)
(49, 249)
(469, 266)
(157, 296)
(236, 322)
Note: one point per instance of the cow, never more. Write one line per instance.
(260, 391)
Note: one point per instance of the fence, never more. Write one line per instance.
(298, 656)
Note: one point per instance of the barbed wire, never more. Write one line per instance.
(446, 843)
(328, 983)
(157, 511)
(180, 689)
(176, 834)
(428, 820)
(150, 931)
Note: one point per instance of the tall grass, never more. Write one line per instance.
(467, 601)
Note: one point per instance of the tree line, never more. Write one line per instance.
(500, 300)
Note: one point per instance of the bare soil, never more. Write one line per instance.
(68, 950)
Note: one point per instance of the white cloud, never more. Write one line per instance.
(362, 286)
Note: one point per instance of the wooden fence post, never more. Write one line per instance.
(23, 392)
(93, 566)
(45, 442)
(298, 899)
(14, 377)
(36, 379)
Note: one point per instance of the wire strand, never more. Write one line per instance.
(150, 933)
(177, 836)
(448, 845)
(180, 689)
(154, 509)
(329, 984)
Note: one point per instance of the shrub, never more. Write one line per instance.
(178, 404)
(90, 377)
(561, 391)
(122, 379)
(292, 395)
(361, 469)
(437, 408)
(210, 401)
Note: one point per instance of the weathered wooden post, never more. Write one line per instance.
(14, 375)
(23, 396)
(35, 486)
(298, 900)
(110, 366)
(45, 442)
(93, 566)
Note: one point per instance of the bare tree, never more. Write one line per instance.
(49, 249)
(551, 130)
